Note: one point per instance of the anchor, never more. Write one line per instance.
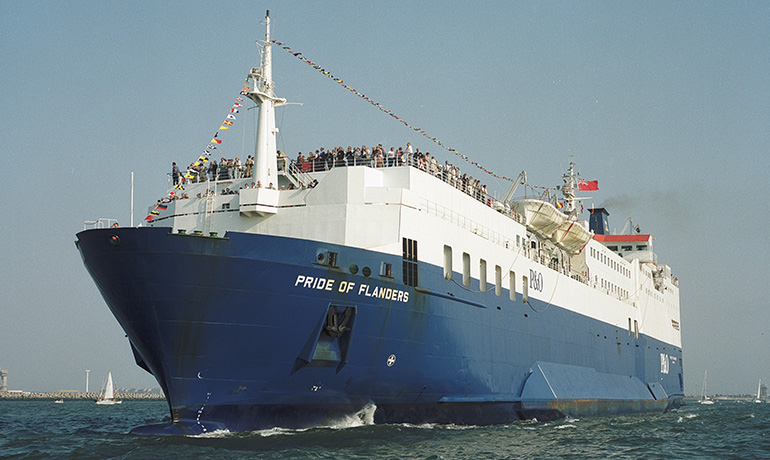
(335, 327)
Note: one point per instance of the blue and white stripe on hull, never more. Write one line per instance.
(234, 333)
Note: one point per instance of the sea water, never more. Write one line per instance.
(82, 430)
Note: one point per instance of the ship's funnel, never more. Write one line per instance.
(598, 222)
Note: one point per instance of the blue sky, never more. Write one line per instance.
(666, 104)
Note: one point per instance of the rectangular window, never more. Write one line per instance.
(447, 262)
(512, 285)
(482, 275)
(641, 247)
(386, 270)
(525, 289)
(613, 248)
(498, 281)
(466, 269)
(331, 259)
(409, 255)
(629, 327)
(627, 248)
(636, 330)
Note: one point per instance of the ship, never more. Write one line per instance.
(388, 288)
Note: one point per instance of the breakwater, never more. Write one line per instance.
(74, 395)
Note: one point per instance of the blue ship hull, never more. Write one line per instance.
(250, 332)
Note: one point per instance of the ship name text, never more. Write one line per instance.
(349, 287)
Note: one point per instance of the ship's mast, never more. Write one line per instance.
(568, 190)
(261, 92)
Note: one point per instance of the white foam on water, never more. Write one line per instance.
(213, 434)
(363, 417)
(460, 427)
(424, 426)
(279, 431)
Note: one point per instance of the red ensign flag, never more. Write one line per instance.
(587, 185)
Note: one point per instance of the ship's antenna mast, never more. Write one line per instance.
(261, 92)
(568, 190)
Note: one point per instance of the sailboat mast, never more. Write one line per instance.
(265, 163)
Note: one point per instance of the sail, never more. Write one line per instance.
(109, 392)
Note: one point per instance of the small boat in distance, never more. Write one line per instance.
(59, 401)
(107, 396)
(759, 392)
(705, 399)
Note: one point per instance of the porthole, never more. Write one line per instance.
(114, 240)
(353, 268)
(366, 271)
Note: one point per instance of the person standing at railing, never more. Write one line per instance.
(249, 165)
(222, 173)
(312, 159)
(213, 169)
(414, 158)
(175, 173)
(407, 156)
(339, 157)
(391, 156)
(230, 169)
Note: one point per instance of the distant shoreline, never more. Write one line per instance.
(75, 396)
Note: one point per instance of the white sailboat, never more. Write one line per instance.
(108, 395)
(759, 390)
(705, 399)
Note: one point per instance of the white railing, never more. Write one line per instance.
(102, 222)
(296, 172)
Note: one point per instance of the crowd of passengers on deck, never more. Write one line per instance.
(324, 160)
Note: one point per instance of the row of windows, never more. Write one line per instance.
(613, 289)
(466, 274)
(628, 248)
(654, 294)
(613, 264)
